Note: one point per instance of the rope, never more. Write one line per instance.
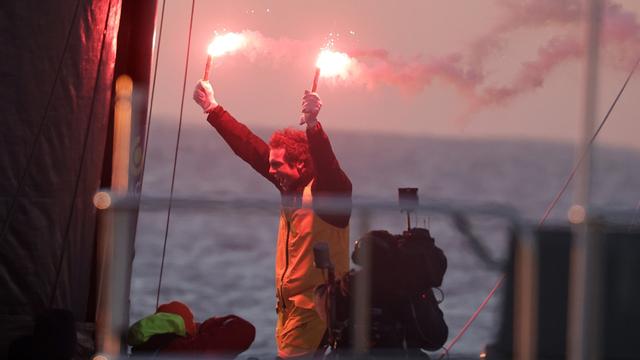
(65, 240)
(153, 91)
(14, 199)
(553, 203)
(145, 149)
(466, 326)
(175, 157)
(584, 153)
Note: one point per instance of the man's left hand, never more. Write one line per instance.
(311, 105)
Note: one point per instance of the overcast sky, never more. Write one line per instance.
(502, 68)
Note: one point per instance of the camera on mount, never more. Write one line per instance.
(417, 264)
(401, 271)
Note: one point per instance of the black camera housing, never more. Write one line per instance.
(401, 271)
(402, 264)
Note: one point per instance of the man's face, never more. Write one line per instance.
(286, 174)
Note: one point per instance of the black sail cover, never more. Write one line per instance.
(56, 70)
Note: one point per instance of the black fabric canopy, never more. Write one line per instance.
(56, 71)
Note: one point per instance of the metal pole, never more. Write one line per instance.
(582, 339)
(361, 302)
(104, 252)
(115, 253)
(525, 320)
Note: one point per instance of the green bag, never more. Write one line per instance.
(159, 323)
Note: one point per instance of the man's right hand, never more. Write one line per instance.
(203, 95)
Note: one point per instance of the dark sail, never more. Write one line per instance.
(57, 72)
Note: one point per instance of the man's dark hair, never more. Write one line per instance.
(295, 145)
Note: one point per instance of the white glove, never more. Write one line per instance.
(311, 105)
(203, 95)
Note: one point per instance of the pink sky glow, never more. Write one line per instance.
(502, 68)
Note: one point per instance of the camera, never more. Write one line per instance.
(400, 271)
(401, 264)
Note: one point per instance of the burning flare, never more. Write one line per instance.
(333, 63)
(223, 44)
(226, 43)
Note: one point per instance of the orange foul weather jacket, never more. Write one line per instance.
(299, 330)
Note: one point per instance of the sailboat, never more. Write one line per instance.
(62, 63)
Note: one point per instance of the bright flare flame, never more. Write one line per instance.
(226, 43)
(333, 63)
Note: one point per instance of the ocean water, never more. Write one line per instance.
(221, 262)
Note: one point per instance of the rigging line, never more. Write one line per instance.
(65, 239)
(466, 326)
(153, 91)
(546, 214)
(38, 135)
(175, 157)
(584, 152)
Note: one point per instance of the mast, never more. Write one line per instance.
(584, 283)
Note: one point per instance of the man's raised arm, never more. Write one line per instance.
(242, 141)
(331, 180)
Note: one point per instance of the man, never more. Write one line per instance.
(304, 169)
